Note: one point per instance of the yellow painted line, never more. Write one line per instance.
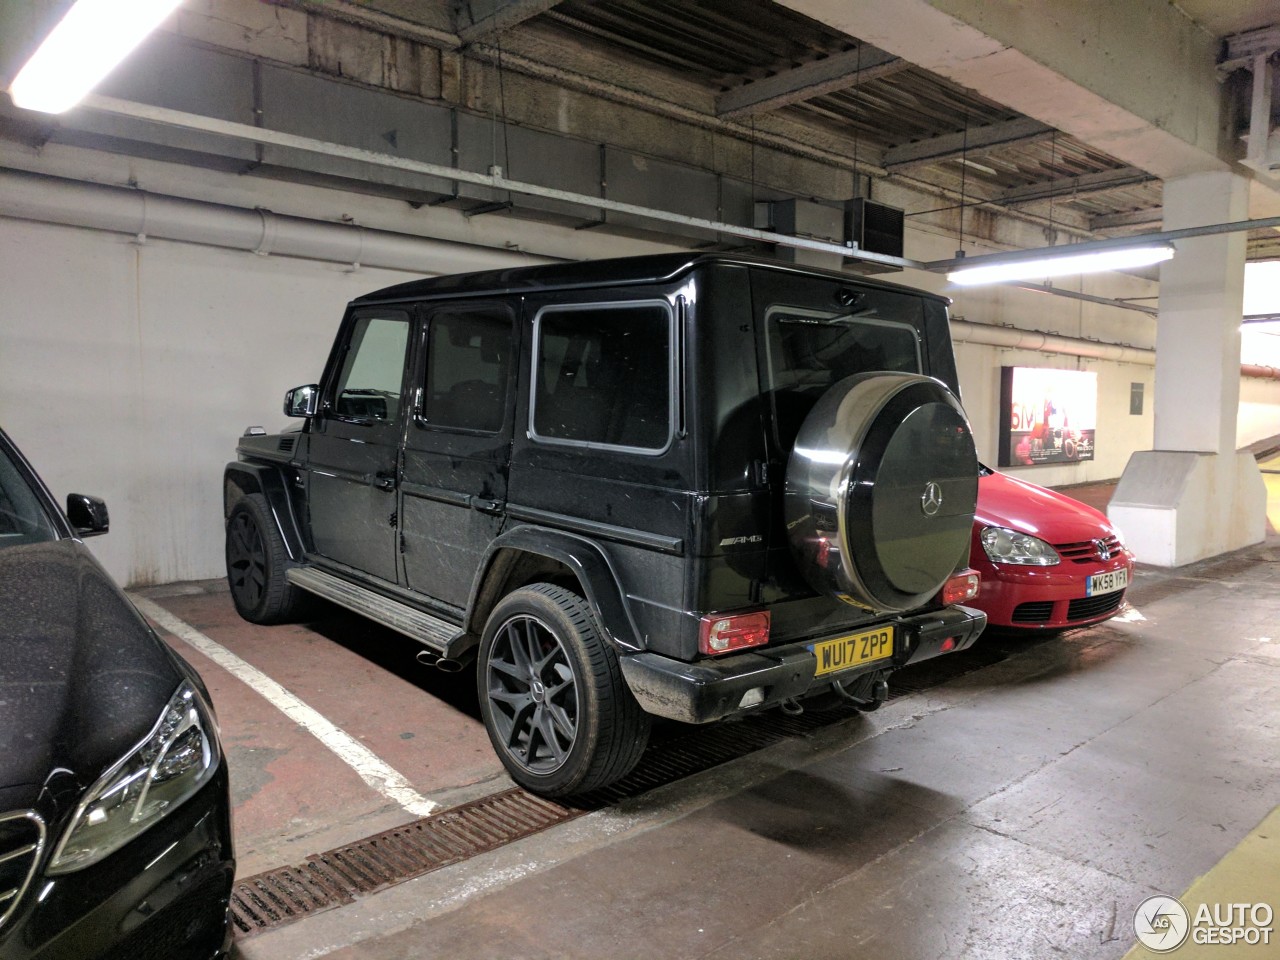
(1272, 480)
(1249, 874)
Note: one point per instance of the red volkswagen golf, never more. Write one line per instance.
(1047, 562)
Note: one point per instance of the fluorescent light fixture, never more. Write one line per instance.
(82, 49)
(1049, 265)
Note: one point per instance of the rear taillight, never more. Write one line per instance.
(718, 634)
(961, 587)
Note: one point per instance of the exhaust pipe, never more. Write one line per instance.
(429, 658)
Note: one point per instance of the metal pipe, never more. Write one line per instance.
(30, 196)
(261, 135)
(1259, 372)
(1012, 338)
(1087, 297)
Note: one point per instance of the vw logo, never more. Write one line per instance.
(931, 499)
(1103, 552)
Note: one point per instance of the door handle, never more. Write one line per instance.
(384, 481)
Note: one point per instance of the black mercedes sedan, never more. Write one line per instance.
(115, 824)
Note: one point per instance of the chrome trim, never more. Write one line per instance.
(13, 897)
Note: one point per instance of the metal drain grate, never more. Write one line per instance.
(339, 876)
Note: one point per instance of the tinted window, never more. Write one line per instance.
(369, 385)
(22, 518)
(468, 357)
(603, 376)
(810, 350)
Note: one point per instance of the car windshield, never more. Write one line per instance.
(22, 515)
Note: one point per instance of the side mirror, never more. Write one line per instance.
(302, 401)
(88, 515)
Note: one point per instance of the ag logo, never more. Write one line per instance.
(931, 499)
(1161, 923)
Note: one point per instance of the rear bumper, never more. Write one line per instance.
(711, 689)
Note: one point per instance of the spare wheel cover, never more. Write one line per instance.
(881, 489)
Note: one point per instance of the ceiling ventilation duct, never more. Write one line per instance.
(873, 227)
(804, 218)
(860, 224)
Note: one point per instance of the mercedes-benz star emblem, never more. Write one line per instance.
(931, 499)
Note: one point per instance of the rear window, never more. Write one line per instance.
(808, 350)
(602, 376)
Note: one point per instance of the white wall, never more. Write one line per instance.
(129, 371)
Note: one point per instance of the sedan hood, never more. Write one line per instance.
(82, 677)
(1005, 501)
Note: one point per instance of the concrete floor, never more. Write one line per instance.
(1024, 810)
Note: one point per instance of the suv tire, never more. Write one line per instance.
(557, 709)
(256, 564)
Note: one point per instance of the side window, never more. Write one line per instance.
(369, 385)
(602, 375)
(22, 518)
(468, 359)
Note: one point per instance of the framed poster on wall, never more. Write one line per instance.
(1047, 416)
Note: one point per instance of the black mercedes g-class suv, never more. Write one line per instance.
(689, 486)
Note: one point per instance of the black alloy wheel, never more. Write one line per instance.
(533, 694)
(552, 695)
(256, 564)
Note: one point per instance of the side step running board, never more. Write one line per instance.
(440, 635)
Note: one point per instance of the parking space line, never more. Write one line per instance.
(368, 765)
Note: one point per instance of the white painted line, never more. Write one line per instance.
(372, 769)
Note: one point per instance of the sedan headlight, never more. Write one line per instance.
(1010, 546)
(173, 761)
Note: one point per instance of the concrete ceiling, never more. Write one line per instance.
(1058, 114)
(1221, 18)
(762, 58)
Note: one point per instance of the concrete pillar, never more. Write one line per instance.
(1194, 496)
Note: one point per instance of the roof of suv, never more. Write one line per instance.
(594, 273)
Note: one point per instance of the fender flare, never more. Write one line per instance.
(588, 562)
(240, 479)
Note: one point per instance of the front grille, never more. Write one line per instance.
(1037, 611)
(21, 842)
(1085, 608)
(1086, 551)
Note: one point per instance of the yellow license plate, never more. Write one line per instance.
(856, 649)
